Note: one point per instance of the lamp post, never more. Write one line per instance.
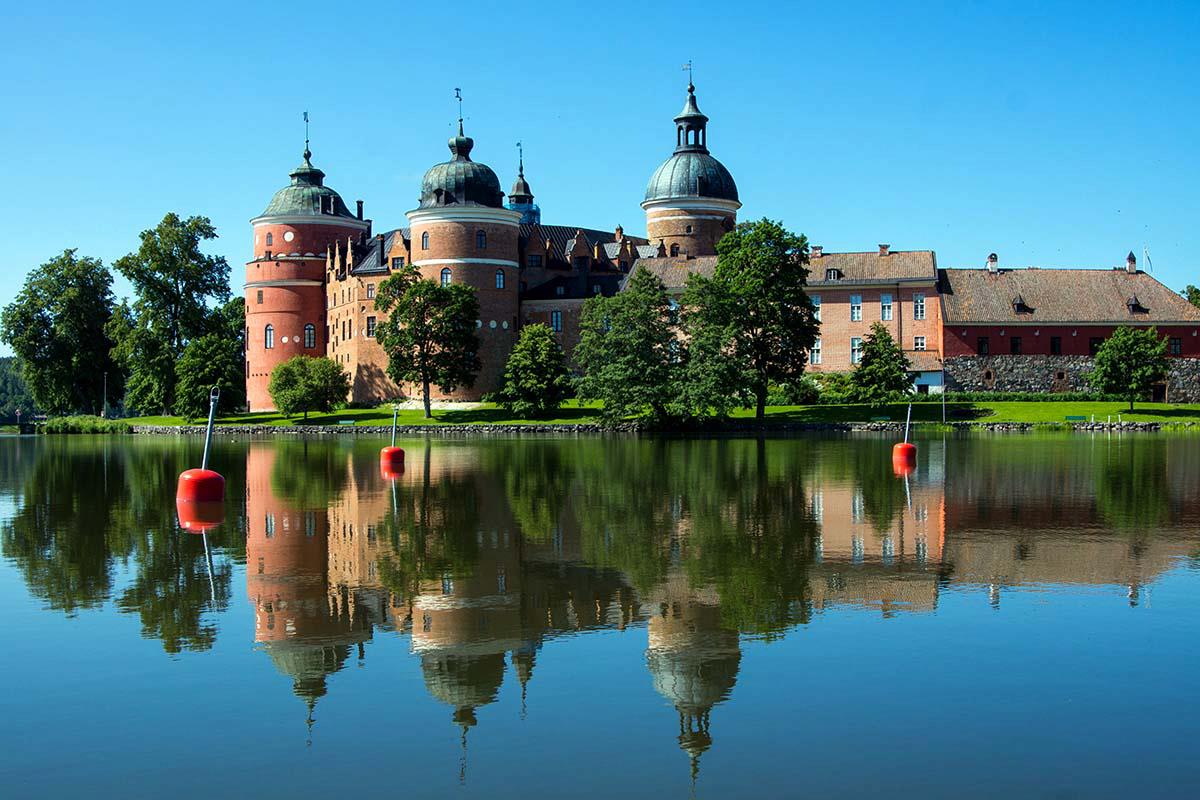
(104, 399)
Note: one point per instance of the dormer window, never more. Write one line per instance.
(832, 274)
(1020, 306)
(1135, 306)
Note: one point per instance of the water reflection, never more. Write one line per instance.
(482, 552)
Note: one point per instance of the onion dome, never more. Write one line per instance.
(691, 171)
(463, 681)
(307, 195)
(461, 181)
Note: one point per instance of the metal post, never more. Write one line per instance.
(212, 413)
(395, 416)
(907, 420)
(104, 400)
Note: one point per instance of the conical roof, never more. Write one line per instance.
(307, 195)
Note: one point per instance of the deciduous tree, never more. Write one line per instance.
(429, 335)
(883, 372)
(536, 378)
(303, 384)
(1129, 363)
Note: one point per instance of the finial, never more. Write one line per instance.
(520, 161)
(307, 152)
(458, 97)
(688, 69)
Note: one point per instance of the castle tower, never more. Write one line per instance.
(462, 233)
(691, 200)
(521, 197)
(285, 294)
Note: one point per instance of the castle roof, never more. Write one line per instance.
(307, 195)
(461, 181)
(691, 172)
(1074, 296)
(871, 267)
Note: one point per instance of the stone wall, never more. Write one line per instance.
(1044, 373)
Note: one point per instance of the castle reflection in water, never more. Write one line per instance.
(481, 553)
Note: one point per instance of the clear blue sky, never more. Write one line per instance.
(1055, 135)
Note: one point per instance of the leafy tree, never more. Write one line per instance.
(211, 360)
(56, 328)
(1129, 363)
(629, 350)
(883, 372)
(429, 335)
(754, 313)
(536, 380)
(1192, 293)
(303, 384)
(173, 282)
(14, 395)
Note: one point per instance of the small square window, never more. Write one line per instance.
(918, 343)
(1014, 345)
(1056, 345)
(1175, 346)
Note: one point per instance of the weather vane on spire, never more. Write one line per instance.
(688, 69)
(458, 97)
(305, 131)
(520, 160)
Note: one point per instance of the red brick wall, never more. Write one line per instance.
(837, 329)
(670, 225)
(1035, 339)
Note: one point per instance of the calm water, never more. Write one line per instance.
(602, 618)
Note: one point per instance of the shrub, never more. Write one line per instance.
(804, 392)
(85, 424)
(1027, 397)
(536, 380)
(304, 384)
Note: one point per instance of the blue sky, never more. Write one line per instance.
(1052, 134)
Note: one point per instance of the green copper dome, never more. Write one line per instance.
(307, 195)
(691, 171)
(461, 181)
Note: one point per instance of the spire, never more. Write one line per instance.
(690, 123)
(306, 174)
(460, 146)
(521, 196)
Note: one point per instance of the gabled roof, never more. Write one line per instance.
(562, 239)
(871, 267)
(674, 271)
(976, 296)
(370, 259)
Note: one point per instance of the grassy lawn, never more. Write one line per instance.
(573, 412)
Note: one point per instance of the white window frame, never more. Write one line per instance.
(447, 276)
(918, 304)
(816, 301)
(855, 349)
(556, 321)
(856, 308)
(885, 307)
(918, 343)
(814, 355)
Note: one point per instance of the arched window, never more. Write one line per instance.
(674, 250)
(499, 279)
(310, 336)
(425, 240)
(446, 276)
(480, 240)
(269, 337)
(270, 239)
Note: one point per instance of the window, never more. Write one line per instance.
(268, 255)
(397, 262)
(310, 336)
(918, 303)
(1056, 345)
(595, 288)
(918, 343)
(816, 301)
(370, 290)
(1014, 345)
(260, 297)
(831, 274)
(499, 279)
(885, 307)
(556, 321)
(480, 240)
(270, 239)
(1094, 344)
(533, 260)
(855, 307)
(855, 350)
(814, 355)
(445, 276)
(558, 290)
(1175, 346)
(674, 250)
(983, 346)
(689, 228)
(269, 337)
(425, 240)
(370, 327)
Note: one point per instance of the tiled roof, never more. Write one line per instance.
(1060, 295)
(674, 271)
(924, 360)
(562, 238)
(870, 267)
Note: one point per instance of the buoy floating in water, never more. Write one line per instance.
(391, 459)
(202, 485)
(904, 454)
(199, 517)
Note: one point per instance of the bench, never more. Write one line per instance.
(345, 422)
(1076, 418)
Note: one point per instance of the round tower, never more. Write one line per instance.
(691, 200)
(462, 233)
(285, 294)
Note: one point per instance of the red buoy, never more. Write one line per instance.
(391, 458)
(198, 517)
(904, 458)
(203, 485)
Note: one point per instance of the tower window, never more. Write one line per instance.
(269, 337)
(310, 336)
(270, 239)
(446, 276)
(689, 228)
(480, 240)
(260, 297)
(425, 240)
(556, 321)
(674, 250)
(370, 327)
(499, 279)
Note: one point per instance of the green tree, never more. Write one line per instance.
(1192, 293)
(1129, 363)
(302, 384)
(753, 316)
(629, 350)
(174, 282)
(429, 335)
(14, 395)
(883, 372)
(211, 360)
(536, 379)
(56, 328)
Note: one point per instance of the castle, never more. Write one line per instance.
(311, 284)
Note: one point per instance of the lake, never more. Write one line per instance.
(604, 617)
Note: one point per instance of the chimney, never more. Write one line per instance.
(817, 251)
(619, 234)
(1131, 263)
(883, 249)
(383, 261)
(360, 209)
(993, 263)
